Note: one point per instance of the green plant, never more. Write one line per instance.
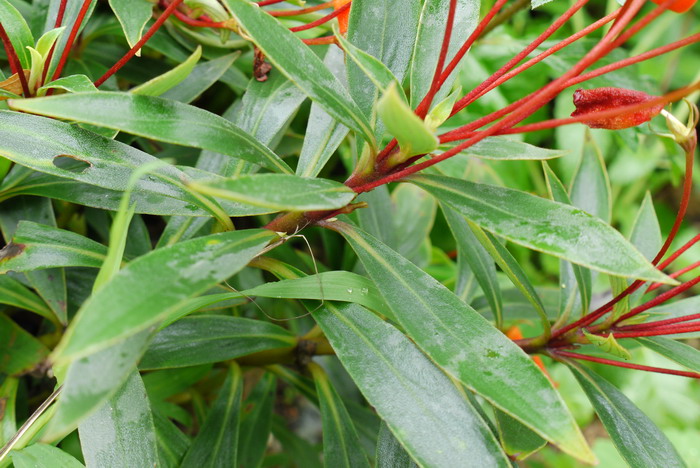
(174, 292)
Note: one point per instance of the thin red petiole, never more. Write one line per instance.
(658, 323)
(196, 22)
(269, 2)
(535, 60)
(660, 299)
(680, 252)
(679, 328)
(71, 38)
(61, 12)
(320, 40)
(302, 11)
(674, 275)
(424, 106)
(320, 21)
(15, 64)
(475, 93)
(627, 365)
(151, 31)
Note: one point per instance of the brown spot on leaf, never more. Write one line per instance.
(261, 68)
(11, 250)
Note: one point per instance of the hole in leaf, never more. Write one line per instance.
(71, 163)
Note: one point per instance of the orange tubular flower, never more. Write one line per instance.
(600, 99)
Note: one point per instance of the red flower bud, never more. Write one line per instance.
(589, 101)
(679, 6)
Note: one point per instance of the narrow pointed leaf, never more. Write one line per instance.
(298, 63)
(518, 440)
(390, 453)
(18, 32)
(477, 258)
(543, 225)
(145, 292)
(279, 192)
(467, 346)
(203, 339)
(37, 246)
(19, 351)
(160, 84)
(133, 16)
(15, 294)
(121, 433)
(404, 386)
(216, 444)
(156, 118)
(44, 456)
(172, 443)
(590, 188)
(678, 351)
(256, 421)
(636, 437)
(341, 446)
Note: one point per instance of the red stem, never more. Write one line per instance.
(15, 64)
(678, 273)
(269, 2)
(61, 12)
(196, 22)
(71, 39)
(658, 323)
(660, 331)
(151, 31)
(476, 92)
(302, 11)
(661, 298)
(320, 40)
(627, 365)
(320, 21)
(424, 106)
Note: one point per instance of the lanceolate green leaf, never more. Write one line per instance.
(38, 246)
(375, 70)
(341, 446)
(323, 133)
(20, 352)
(329, 286)
(296, 61)
(156, 118)
(678, 351)
(153, 285)
(44, 456)
(201, 78)
(212, 338)
(390, 453)
(468, 347)
(279, 192)
(170, 79)
(543, 225)
(72, 84)
(133, 16)
(504, 148)
(216, 444)
(590, 188)
(121, 433)
(478, 259)
(404, 386)
(385, 29)
(15, 294)
(256, 421)
(636, 437)
(89, 382)
(18, 32)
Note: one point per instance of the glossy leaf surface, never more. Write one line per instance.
(543, 225)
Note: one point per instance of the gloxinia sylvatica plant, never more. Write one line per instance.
(353, 233)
